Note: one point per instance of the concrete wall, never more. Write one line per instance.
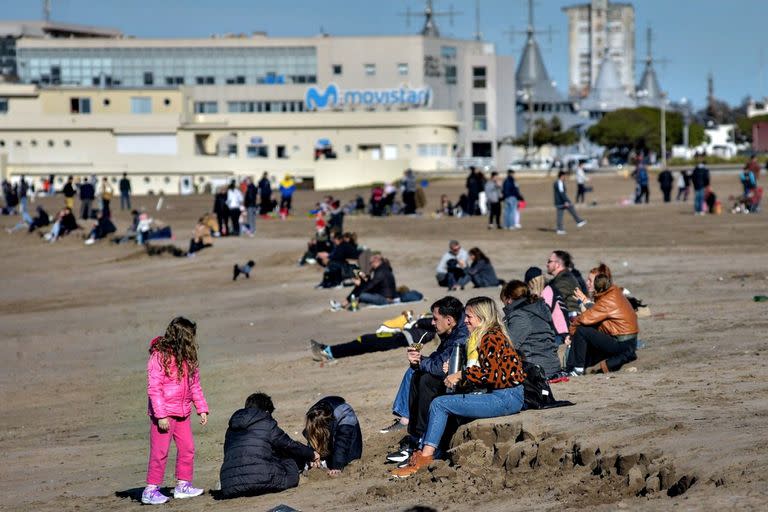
(331, 175)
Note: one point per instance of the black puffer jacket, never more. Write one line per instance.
(346, 437)
(258, 456)
(531, 331)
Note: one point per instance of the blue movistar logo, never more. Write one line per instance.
(333, 97)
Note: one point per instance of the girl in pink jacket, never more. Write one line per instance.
(173, 384)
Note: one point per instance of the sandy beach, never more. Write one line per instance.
(76, 320)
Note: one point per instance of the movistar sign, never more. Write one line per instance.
(333, 97)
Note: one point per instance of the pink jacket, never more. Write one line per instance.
(169, 396)
(558, 318)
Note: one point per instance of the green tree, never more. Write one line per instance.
(548, 132)
(640, 128)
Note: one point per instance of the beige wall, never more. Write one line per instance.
(111, 101)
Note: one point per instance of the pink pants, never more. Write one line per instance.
(160, 443)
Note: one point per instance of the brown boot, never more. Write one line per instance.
(417, 463)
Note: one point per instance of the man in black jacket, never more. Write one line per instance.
(665, 182)
(87, 195)
(700, 181)
(125, 192)
(378, 288)
(250, 205)
(563, 202)
(259, 457)
(563, 281)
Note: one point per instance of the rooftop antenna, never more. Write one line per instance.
(530, 31)
(47, 10)
(478, 34)
(430, 27)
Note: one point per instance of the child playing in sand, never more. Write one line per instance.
(173, 385)
(333, 431)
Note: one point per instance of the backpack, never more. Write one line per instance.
(538, 394)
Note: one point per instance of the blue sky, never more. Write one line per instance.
(694, 36)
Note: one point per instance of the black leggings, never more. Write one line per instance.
(495, 213)
(590, 346)
(369, 343)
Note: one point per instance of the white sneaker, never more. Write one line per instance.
(580, 224)
(185, 490)
(90, 241)
(518, 226)
(335, 305)
(560, 232)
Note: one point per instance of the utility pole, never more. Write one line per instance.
(529, 93)
(663, 131)
(478, 34)
(47, 10)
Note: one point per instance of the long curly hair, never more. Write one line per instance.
(318, 428)
(178, 345)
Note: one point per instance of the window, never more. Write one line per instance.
(432, 150)
(236, 80)
(448, 52)
(174, 80)
(3, 105)
(106, 102)
(478, 77)
(141, 105)
(50, 143)
(450, 74)
(337, 69)
(80, 105)
(33, 143)
(67, 143)
(167, 101)
(206, 107)
(479, 119)
(370, 69)
(402, 69)
(257, 151)
(390, 152)
(482, 149)
(205, 80)
(281, 153)
(149, 78)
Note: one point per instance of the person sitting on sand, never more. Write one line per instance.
(604, 335)
(420, 332)
(423, 381)
(538, 286)
(64, 224)
(201, 237)
(259, 457)
(529, 324)
(480, 271)
(498, 373)
(333, 431)
(337, 261)
(377, 288)
(451, 266)
(101, 229)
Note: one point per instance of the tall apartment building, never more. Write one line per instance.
(594, 29)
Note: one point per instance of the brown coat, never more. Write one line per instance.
(611, 314)
(202, 234)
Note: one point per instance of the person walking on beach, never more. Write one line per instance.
(106, 192)
(512, 196)
(125, 192)
(265, 195)
(287, 188)
(563, 202)
(700, 181)
(251, 192)
(409, 192)
(665, 183)
(581, 183)
(234, 203)
(69, 193)
(493, 196)
(173, 385)
(641, 182)
(87, 195)
(683, 182)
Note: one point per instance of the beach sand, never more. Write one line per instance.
(76, 321)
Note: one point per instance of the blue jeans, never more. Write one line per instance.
(400, 405)
(373, 298)
(510, 212)
(252, 212)
(500, 402)
(698, 200)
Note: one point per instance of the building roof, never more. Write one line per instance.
(648, 91)
(532, 73)
(31, 28)
(607, 94)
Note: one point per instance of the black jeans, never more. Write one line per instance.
(409, 201)
(667, 194)
(369, 343)
(495, 209)
(590, 346)
(581, 190)
(424, 388)
(234, 217)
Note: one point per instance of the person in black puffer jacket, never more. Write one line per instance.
(259, 457)
(333, 430)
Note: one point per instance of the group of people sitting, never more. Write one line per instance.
(561, 328)
(457, 268)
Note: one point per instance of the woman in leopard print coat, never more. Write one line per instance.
(496, 377)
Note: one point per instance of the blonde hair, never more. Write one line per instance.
(485, 309)
(536, 285)
(318, 428)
